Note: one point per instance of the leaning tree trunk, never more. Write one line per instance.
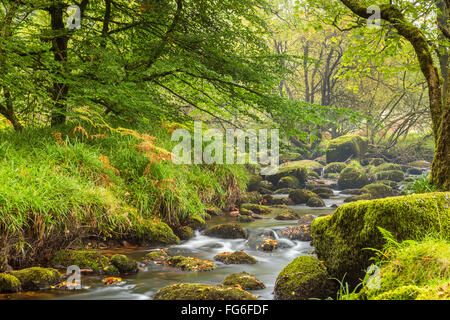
(439, 109)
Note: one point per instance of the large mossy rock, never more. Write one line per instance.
(124, 264)
(302, 279)
(85, 259)
(300, 196)
(183, 232)
(386, 167)
(341, 239)
(160, 232)
(391, 175)
(199, 291)
(378, 190)
(246, 280)
(288, 182)
(37, 278)
(227, 231)
(352, 178)
(237, 257)
(342, 148)
(295, 169)
(9, 283)
(315, 202)
(290, 156)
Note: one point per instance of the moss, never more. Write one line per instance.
(245, 219)
(159, 232)
(287, 215)
(315, 202)
(334, 167)
(392, 175)
(378, 190)
(226, 231)
(402, 293)
(37, 278)
(299, 196)
(385, 167)
(245, 280)
(292, 156)
(339, 239)
(352, 178)
(124, 264)
(436, 292)
(256, 208)
(295, 169)
(157, 255)
(373, 161)
(190, 264)
(282, 191)
(9, 283)
(344, 147)
(183, 232)
(237, 257)
(254, 183)
(85, 259)
(304, 278)
(288, 182)
(245, 212)
(198, 291)
(323, 190)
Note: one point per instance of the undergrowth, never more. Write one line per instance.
(89, 179)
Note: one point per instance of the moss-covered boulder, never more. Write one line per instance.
(323, 190)
(237, 257)
(302, 279)
(226, 231)
(85, 259)
(9, 283)
(334, 167)
(340, 239)
(256, 208)
(124, 264)
(183, 232)
(378, 190)
(344, 147)
(352, 178)
(160, 232)
(300, 196)
(315, 202)
(254, 183)
(37, 278)
(156, 256)
(295, 169)
(386, 167)
(282, 191)
(287, 215)
(372, 161)
(288, 182)
(392, 175)
(190, 264)
(245, 280)
(199, 291)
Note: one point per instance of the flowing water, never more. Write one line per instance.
(153, 277)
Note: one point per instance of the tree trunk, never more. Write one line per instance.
(59, 49)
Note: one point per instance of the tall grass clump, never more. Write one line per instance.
(86, 180)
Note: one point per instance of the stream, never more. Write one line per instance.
(152, 277)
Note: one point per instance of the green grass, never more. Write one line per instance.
(100, 186)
